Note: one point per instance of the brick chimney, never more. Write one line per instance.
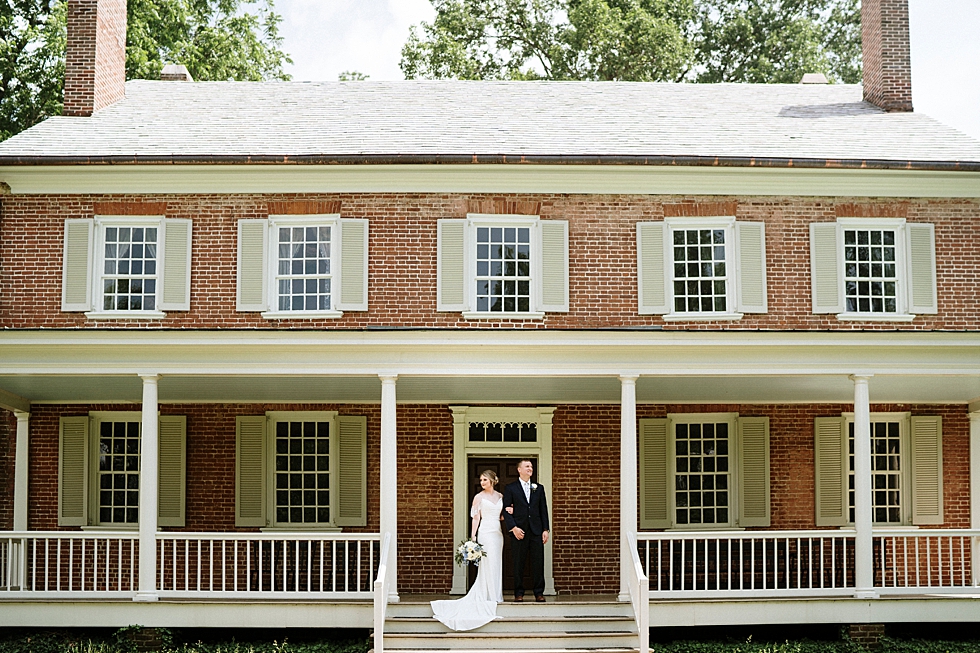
(885, 48)
(95, 60)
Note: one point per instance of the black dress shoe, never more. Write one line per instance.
(539, 598)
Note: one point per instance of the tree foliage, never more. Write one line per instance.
(215, 39)
(637, 40)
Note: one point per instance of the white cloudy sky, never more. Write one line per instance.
(326, 37)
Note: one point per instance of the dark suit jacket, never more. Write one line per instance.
(531, 517)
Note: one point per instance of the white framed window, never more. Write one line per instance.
(877, 269)
(309, 266)
(502, 266)
(99, 462)
(126, 266)
(301, 470)
(704, 268)
(704, 470)
(906, 469)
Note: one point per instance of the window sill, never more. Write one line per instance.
(474, 315)
(303, 528)
(129, 315)
(701, 528)
(302, 315)
(702, 317)
(869, 317)
(112, 528)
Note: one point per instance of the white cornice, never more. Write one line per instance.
(492, 178)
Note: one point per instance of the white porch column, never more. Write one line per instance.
(627, 479)
(863, 548)
(975, 487)
(21, 463)
(389, 477)
(149, 489)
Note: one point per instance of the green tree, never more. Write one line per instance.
(637, 40)
(32, 62)
(215, 39)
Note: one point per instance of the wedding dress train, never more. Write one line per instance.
(479, 606)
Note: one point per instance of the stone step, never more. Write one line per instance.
(550, 609)
(510, 641)
(523, 624)
(601, 649)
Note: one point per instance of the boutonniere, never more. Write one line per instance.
(534, 486)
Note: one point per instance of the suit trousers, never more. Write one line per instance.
(530, 547)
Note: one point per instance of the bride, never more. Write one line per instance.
(479, 606)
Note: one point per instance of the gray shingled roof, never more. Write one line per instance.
(427, 118)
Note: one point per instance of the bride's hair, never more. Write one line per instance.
(491, 475)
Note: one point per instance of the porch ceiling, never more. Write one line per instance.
(480, 366)
(495, 389)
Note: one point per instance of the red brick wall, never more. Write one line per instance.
(402, 260)
(8, 441)
(583, 499)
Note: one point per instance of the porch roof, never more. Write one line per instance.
(479, 366)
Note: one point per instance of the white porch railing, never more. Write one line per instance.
(68, 563)
(639, 588)
(267, 565)
(748, 563)
(382, 586)
(915, 561)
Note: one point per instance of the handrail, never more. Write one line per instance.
(302, 536)
(381, 585)
(639, 588)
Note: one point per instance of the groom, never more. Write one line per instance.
(526, 516)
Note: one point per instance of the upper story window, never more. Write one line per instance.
(311, 266)
(873, 268)
(126, 266)
(499, 266)
(906, 469)
(701, 268)
(706, 470)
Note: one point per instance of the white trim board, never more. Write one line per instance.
(489, 178)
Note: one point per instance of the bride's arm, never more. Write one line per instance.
(475, 512)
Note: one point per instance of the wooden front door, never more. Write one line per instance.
(506, 470)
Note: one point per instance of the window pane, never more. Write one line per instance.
(303, 272)
(118, 475)
(303, 466)
(701, 473)
(129, 273)
(870, 287)
(503, 269)
(886, 473)
(700, 276)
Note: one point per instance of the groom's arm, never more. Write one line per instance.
(543, 514)
(508, 503)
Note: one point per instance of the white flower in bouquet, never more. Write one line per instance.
(468, 552)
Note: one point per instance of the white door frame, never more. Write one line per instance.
(463, 450)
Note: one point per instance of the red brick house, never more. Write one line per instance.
(259, 339)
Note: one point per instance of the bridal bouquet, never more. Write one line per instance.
(468, 552)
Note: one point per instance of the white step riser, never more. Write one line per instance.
(430, 625)
(545, 611)
(507, 642)
(543, 650)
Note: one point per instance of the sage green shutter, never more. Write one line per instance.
(451, 266)
(76, 274)
(176, 266)
(921, 240)
(353, 265)
(825, 268)
(830, 470)
(172, 456)
(253, 248)
(73, 471)
(250, 470)
(351, 471)
(750, 240)
(753, 471)
(655, 478)
(927, 470)
(554, 266)
(651, 268)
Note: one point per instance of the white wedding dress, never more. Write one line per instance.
(479, 606)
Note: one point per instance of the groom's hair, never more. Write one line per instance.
(524, 460)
